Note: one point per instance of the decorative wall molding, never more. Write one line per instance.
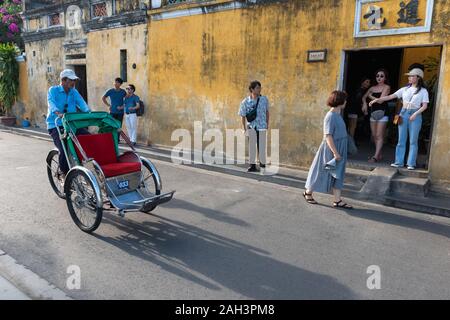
(196, 10)
(117, 21)
(44, 34)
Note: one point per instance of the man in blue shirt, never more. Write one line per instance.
(61, 99)
(116, 96)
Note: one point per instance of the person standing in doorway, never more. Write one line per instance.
(116, 96)
(415, 101)
(328, 167)
(131, 104)
(378, 111)
(355, 108)
(256, 129)
(61, 99)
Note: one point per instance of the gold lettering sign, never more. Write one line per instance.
(386, 17)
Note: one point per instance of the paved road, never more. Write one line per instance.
(222, 237)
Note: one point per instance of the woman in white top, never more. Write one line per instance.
(415, 101)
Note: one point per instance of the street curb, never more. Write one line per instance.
(163, 154)
(27, 281)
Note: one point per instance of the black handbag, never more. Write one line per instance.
(251, 115)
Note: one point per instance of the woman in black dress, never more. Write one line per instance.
(378, 111)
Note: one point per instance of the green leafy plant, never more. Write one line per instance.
(9, 76)
(431, 64)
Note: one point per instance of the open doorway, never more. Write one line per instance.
(81, 86)
(396, 61)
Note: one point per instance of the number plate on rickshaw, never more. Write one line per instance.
(124, 184)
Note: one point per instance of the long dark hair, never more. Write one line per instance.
(420, 84)
(364, 78)
(386, 75)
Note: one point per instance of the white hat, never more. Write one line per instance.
(68, 73)
(415, 72)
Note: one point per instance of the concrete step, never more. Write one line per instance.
(357, 174)
(431, 204)
(366, 166)
(418, 173)
(412, 186)
(361, 165)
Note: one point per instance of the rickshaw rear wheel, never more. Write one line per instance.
(81, 199)
(54, 174)
(150, 182)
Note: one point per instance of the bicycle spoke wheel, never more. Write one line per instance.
(55, 176)
(81, 200)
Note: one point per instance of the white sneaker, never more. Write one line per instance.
(410, 168)
(395, 165)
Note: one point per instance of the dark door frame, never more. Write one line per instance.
(343, 72)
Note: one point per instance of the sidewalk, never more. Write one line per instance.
(9, 292)
(19, 283)
(360, 179)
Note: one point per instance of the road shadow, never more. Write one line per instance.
(400, 220)
(186, 250)
(207, 212)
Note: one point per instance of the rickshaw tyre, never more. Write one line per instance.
(98, 211)
(50, 156)
(157, 192)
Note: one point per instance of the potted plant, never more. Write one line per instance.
(9, 81)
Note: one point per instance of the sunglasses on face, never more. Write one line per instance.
(380, 76)
(128, 88)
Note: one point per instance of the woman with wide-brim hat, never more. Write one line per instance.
(415, 101)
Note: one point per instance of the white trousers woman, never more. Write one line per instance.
(131, 124)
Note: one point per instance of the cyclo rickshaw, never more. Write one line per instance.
(100, 177)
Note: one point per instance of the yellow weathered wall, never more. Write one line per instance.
(200, 66)
(103, 66)
(440, 147)
(418, 55)
(48, 54)
(20, 107)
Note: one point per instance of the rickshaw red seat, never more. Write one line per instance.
(101, 148)
(119, 168)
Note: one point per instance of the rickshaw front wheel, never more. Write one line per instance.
(54, 174)
(82, 198)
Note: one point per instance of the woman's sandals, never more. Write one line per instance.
(374, 160)
(308, 197)
(342, 205)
